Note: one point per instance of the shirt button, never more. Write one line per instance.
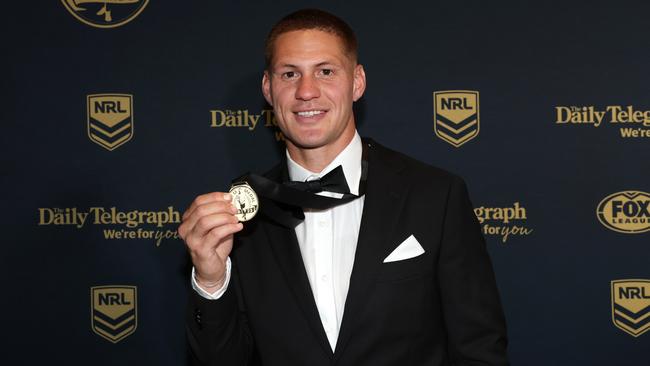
(323, 278)
(322, 223)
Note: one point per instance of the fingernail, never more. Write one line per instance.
(227, 196)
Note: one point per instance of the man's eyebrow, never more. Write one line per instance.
(287, 65)
(320, 64)
(326, 63)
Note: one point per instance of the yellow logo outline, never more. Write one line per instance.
(109, 326)
(603, 216)
(627, 315)
(101, 132)
(74, 8)
(466, 127)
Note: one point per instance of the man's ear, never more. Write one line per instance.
(266, 87)
(359, 82)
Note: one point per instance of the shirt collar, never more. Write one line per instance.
(349, 159)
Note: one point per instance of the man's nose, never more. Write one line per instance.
(307, 88)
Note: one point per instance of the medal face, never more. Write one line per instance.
(245, 200)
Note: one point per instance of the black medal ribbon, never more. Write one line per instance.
(294, 196)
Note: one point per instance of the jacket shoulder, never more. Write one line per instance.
(416, 169)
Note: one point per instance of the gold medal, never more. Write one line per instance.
(245, 200)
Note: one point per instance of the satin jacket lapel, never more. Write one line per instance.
(383, 203)
(286, 250)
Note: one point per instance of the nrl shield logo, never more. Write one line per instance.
(631, 306)
(105, 13)
(110, 119)
(456, 115)
(114, 311)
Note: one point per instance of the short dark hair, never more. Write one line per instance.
(306, 19)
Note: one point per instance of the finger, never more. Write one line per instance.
(224, 231)
(207, 198)
(213, 240)
(191, 231)
(207, 223)
(207, 209)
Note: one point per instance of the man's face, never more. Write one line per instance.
(311, 84)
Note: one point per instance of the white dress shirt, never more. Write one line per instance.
(327, 240)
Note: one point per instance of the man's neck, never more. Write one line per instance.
(316, 159)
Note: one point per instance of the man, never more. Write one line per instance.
(398, 276)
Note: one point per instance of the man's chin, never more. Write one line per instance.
(307, 145)
(306, 142)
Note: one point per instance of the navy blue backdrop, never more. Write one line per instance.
(188, 70)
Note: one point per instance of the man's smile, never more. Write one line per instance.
(309, 113)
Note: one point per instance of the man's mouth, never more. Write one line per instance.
(310, 113)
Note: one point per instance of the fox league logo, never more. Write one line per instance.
(114, 311)
(105, 13)
(631, 306)
(110, 119)
(626, 212)
(456, 115)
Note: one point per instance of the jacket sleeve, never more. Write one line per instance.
(472, 310)
(217, 330)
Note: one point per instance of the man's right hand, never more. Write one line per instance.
(207, 229)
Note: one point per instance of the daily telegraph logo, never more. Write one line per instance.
(627, 212)
(105, 13)
(631, 306)
(135, 224)
(503, 222)
(632, 122)
(456, 115)
(110, 119)
(113, 311)
(245, 120)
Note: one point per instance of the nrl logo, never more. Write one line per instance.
(456, 115)
(113, 311)
(105, 13)
(631, 306)
(110, 119)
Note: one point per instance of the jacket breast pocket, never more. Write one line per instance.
(415, 267)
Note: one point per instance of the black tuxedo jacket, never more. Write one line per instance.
(439, 308)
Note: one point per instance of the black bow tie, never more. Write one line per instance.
(284, 202)
(334, 181)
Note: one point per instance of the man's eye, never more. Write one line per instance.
(327, 72)
(289, 75)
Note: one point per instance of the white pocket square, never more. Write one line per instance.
(409, 248)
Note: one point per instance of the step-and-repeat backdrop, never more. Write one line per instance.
(117, 113)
